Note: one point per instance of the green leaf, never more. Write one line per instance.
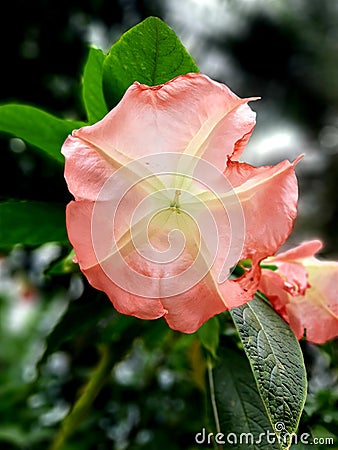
(92, 87)
(208, 334)
(240, 412)
(277, 363)
(38, 128)
(149, 53)
(64, 266)
(31, 223)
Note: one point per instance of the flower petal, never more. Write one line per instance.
(302, 251)
(272, 285)
(79, 224)
(268, 196)
(86, 171)
(314, 311)
(323, 275)
(295, 277)
(187, 311)
(291, 268)
(190, 113)
(123, 251)
(317, 311)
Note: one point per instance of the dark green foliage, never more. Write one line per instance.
(31, 223)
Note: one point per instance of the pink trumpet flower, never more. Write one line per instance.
(163, 208)
(304, 290)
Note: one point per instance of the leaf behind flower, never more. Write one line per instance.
(149, 53)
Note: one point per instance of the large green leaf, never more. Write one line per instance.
(149, 53)
(92, 87)
(31, 223)
(240, 412)
(41, 129)
(277, 363)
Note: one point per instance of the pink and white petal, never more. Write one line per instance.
(224, 136)
(305, 314)
(240, 145)
(295, 276)
(230, 235)
(79, 225)
(239, 291)
(86, 170)
(302, 251)
(323, 276)
(268, 196)
(315, 312)
(95, 230)
(184, 312)
(272, 286)
(190, 113)
(189, 310)
(124, 301)
(78, 220)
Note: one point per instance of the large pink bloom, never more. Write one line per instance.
(304, 290)
(163, 208)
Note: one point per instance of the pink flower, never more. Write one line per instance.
(163, 208)
(304, 290)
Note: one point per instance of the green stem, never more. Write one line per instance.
(89, 393)
(213, 399)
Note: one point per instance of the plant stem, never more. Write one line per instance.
(213, 399)
(89, 393)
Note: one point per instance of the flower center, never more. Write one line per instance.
(175, 203)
